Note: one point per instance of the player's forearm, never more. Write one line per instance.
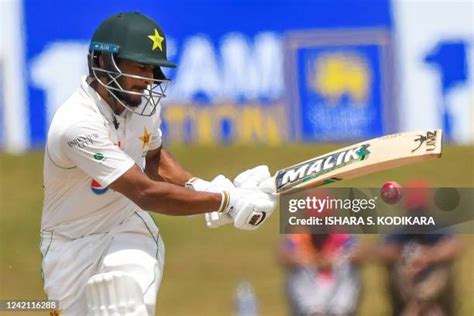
(164, 167)
(170, 199)
(162, 197)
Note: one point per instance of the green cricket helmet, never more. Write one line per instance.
(134, 37)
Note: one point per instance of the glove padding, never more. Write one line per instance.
(218, 219)
(219, 183)
(249, 208)
(249, 179)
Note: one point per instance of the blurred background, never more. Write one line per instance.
(257, 82)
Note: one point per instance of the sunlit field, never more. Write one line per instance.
(203, 266)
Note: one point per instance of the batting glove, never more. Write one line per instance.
(249, 209)
(253, 178)
(219, 183)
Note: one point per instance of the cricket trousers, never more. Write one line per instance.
(134, 247)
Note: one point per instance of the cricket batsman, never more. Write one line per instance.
(105, 168)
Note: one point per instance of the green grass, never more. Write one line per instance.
(203, 266)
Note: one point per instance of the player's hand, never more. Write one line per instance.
(217, 185)
(218, 219)
(252, 178)
(249, 209)
(247, 179)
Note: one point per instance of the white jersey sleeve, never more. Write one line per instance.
(89, 147)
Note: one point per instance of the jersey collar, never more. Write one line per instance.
(99, 105)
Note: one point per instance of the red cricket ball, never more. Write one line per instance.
(391, 192)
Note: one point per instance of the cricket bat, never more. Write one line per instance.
(353, 161)
(357, 160)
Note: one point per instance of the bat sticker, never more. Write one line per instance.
(313, 168)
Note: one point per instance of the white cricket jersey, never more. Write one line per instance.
(84, 154)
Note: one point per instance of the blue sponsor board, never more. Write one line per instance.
(229, 85)
(340, 84)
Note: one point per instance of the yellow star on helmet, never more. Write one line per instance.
(145, 138)
(157, 39)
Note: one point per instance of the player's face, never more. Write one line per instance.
(134, 84)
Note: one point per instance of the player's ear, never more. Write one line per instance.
(101, 60)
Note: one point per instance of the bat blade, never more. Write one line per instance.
(357, 160)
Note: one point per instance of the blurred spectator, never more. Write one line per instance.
(420, 274)
(322, 273)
